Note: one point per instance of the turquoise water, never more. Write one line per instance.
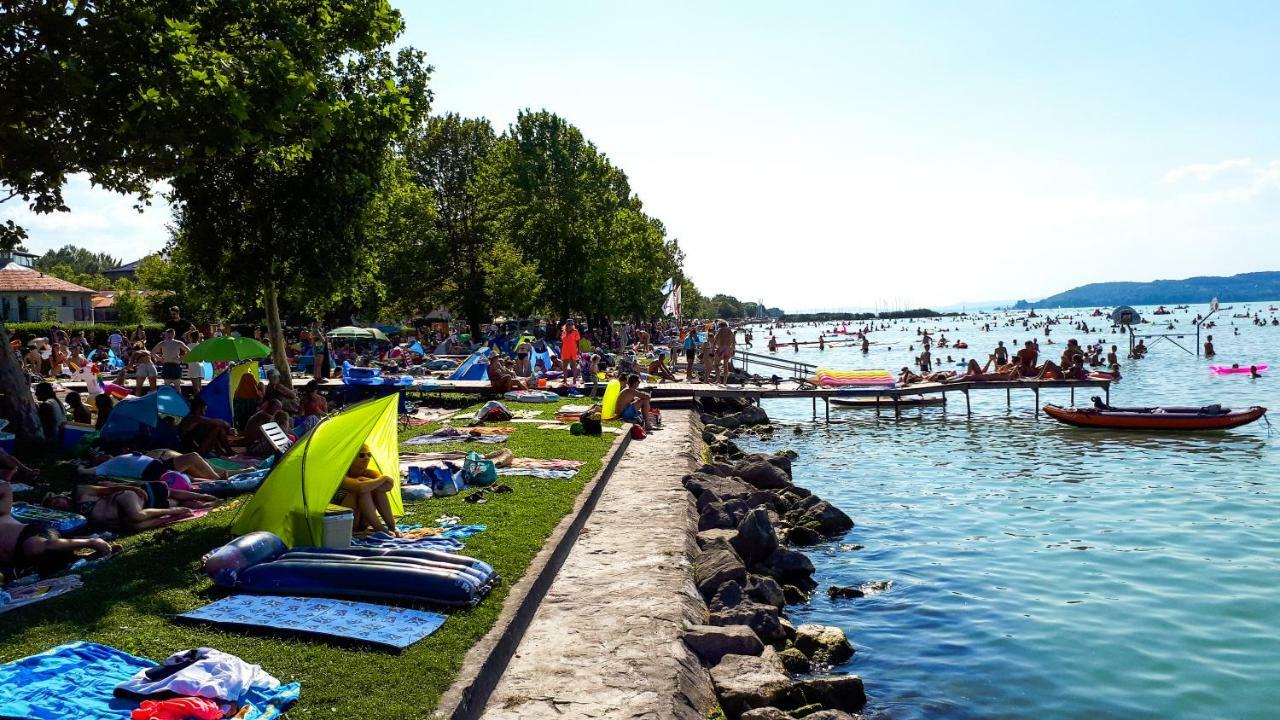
(1041, 571)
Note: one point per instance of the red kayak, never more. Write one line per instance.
(1212, 417)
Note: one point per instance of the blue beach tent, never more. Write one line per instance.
(133, 417)
(217, 398)
(472, 368)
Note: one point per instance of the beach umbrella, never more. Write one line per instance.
(227, 349)
(351, 332)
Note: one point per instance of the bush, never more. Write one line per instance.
(96, 332)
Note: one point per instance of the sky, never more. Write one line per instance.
(831, 155)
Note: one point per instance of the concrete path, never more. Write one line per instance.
(606, 640)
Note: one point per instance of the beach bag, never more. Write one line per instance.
(445, 483)
(592, 422)
(476, 470)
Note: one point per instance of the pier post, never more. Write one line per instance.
(827, 401)
(1073, 396)
(968, 410)
(1107, 388)
(1008, 398)
(1037, 391)
(815, 407)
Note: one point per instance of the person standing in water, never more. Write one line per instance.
(1208, 347)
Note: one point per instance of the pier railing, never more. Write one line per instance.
(794, 369)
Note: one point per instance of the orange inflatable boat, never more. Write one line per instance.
(1212, 417)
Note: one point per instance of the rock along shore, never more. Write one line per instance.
(751, 517)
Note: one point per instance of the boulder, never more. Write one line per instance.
(876, 587)
(795, 662)
(728, 422)
(763, 498)
(829, 519)
(802, 536)
(714, 516)
(718, 469)
(823, 644)
(788, 629)
(737, 509)
(794, 595)
(837, 591)
(769, 713)
(726, 449)
(712, 643)
(756, 539)
(747, 682)
(765, 590)
(762, 474)
(831, 715)
(715, 565)
(789, 566)
(706, 536)
(722, 488)
(728, 595)
(762, 619)
(833, 692)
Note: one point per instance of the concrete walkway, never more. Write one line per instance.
(605, 641)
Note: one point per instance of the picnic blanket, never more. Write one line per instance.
(14, 597)
(447, 539)
(391, 627)
(487, 435)
(541, 473)
(76, 681)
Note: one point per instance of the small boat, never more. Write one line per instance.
(1211, 417)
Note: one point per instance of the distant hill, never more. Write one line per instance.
(1245, 287)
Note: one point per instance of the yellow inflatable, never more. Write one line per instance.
(609, 405)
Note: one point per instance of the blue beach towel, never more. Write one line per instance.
(76, 681)
(448, 541)
(392, 627)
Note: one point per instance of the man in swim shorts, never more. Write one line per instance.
(170, 352)
(633, 404)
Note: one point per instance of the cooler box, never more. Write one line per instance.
(73, 433)
(338, 521)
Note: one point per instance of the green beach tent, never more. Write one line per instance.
(292, 500)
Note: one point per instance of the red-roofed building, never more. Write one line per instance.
(28, 295)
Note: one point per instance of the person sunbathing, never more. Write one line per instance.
(502, 378)
(125, 507)
(26, 546)
(367, 493)
(151, 465)
(906, 377)
(255, 437)
(205, 434)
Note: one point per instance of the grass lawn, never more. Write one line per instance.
(128, 602)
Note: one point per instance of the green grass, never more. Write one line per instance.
(128, 602)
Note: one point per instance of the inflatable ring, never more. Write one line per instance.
(531, 396)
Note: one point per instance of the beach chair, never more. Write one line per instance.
(276, 436)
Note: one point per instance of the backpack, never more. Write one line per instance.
(476, 470)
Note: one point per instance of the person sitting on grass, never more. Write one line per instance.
(367, 493)
(205, 434)
(502, 378)
(25, 547)
(633, 403)
(130, 508)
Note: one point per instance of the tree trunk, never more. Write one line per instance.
(279, 357)
(17, 404)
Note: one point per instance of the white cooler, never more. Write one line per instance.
(337, 527)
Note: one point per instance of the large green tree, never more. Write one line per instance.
(445, 154)
(78, 259)
(129, 92)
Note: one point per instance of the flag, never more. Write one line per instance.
(672, 304)
(666, 286)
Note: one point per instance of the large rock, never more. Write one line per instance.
(706, 537)
(762, 474)
(712, 643)
(827, 519)
(715, 517)
(802, 536)
(762, 619)
(722, 488)
(789, 566)
(720, 469)
(765, 590)
(715, 565)
(832, 692)
(746, 682)
(728, 595)
(825, 645)
(831, 715)
(765, 498)
(756, 539)
(795, 662)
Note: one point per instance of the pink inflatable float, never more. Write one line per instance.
(1235, 369)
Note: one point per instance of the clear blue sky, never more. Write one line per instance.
(843, 154)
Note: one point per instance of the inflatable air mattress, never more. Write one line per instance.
(1228, 370)
(827, 377)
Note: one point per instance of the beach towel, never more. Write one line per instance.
(436, 538)
(61, 520)
(14, 597)
(545, 463)
(383, 625)
(235, 485)
(541, 473)
(488, 435)
(76, 681)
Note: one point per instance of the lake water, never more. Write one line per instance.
(1042, 571)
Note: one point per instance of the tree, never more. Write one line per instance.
(445, 155)
(78, 259)
(546, 190)
(134, 91)
(130, 308)
(263, 223)
(401, 227)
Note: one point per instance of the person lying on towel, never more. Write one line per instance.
(366, 492)
(130, 508)
(25, 547)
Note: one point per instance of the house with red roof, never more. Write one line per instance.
(28, 295)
